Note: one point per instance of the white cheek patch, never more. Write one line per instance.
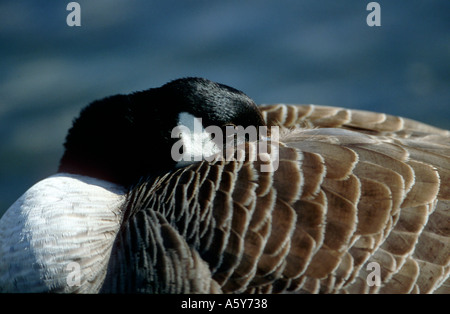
(195, 142)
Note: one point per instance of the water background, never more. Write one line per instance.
(320, 52)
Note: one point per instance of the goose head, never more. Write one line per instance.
(124, 137)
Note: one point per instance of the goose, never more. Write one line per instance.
(357, 201)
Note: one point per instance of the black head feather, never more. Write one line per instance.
(125, 137)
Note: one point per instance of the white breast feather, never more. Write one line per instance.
(58, 221)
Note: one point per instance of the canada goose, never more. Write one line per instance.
(359, 203)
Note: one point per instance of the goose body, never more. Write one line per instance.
(358, 203)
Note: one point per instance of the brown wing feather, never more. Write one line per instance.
(403, 174)
(364, 121)
(352, 187)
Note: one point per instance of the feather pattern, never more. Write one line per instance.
(65, 244)
(352, 188)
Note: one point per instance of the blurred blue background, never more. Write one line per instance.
(318, 52)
